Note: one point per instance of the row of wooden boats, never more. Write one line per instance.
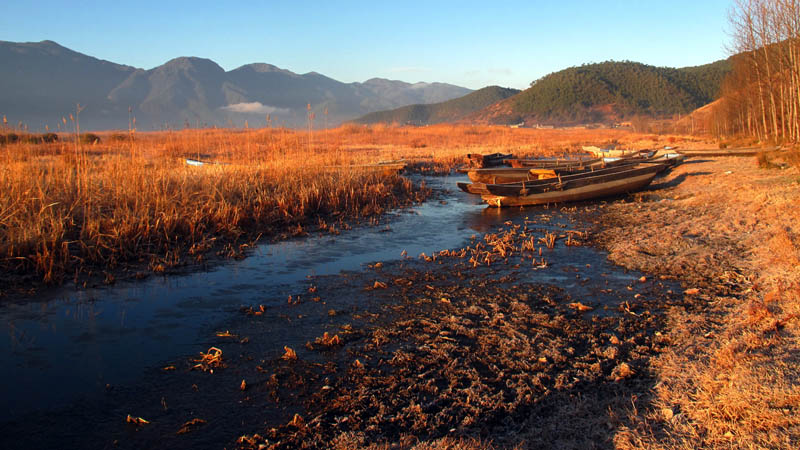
(557, 181)
(528, 170)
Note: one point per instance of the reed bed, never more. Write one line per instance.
(69, 209)
(73, 207)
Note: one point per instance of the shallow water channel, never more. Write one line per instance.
(72, 345)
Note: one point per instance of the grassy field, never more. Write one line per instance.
(728, 379)
(75, 209)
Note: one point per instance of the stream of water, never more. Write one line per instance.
(74, 343)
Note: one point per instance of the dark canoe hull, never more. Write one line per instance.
(492, 160)
(588, 188)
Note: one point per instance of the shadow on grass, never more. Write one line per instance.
(695, 161)
(671, 183)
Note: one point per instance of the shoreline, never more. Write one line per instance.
(730, 229)
(219, 250)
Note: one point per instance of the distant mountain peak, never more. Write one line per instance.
(383, 81)
(264, 68)
(191, 61)
(40, 81)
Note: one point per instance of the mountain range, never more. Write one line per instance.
(453, 110)
(605, 92)
(41, 83)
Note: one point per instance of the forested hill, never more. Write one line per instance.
(449, 111)
(610, 91)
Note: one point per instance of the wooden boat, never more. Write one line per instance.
(552, 163)
(586, 186)
(473, 188)
(668, 159)
(509, 175)
(492, 160)
(610, 152)
(500, 175)
(480, 187)
(606, 160)
(197, 162)
(390, 167)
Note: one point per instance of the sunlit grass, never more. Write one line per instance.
(70, 208)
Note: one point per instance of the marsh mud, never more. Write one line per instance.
(449, 319)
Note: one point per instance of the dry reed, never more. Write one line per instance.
(73, 208)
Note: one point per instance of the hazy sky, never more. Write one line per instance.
(472, 44)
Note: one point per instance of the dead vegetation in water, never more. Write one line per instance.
(210, 360)
(491, 363)
(462, 358)
(729, 230)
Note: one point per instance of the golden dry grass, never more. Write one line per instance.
(730, 376)
(69, 210)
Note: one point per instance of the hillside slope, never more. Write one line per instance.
(610, 91)
(448, 111)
